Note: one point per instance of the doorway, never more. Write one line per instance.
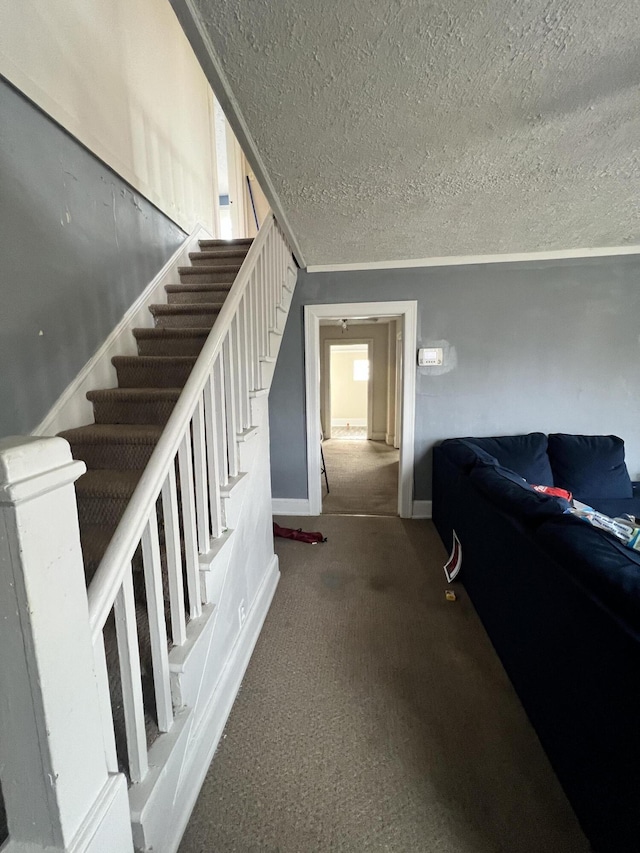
(346, 378)
(405, 315)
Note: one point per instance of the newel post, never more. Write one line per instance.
(57, 791)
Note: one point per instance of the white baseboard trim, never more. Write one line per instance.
(290, 506)
(161, 807)
(422, 509)
(390, 438)
(378, 436)
(72, 408)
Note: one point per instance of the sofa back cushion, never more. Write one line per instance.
(463, 453)
(524, 454)
(590, 466)
(509, 492)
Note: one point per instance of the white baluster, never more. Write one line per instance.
(192, 569)
(230, 389)
(211, 422)
(273, 316)
(131, 679)
(220, 425)
(157, 623)
(174, 557)
(251, 331)
(200, 470)
(280, 266)
(237, 370)
(243, 365)
(262, 313)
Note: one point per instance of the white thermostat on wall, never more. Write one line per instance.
(430, 356)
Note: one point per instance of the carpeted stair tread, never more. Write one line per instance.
(220, 252)
(187, 308)
(186, 314)
(157, 371)
(158, 333)
(133, 405)
(199, 287)
(129, 394)
(229, 270)
(113, 446)
(215, 243)
(113, 434)
(218, 256)
(161, 340)
(196, 291)
(116, 484)
(157, 361)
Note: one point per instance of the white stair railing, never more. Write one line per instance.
(196, 456)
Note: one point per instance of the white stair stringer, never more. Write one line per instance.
(240, 574)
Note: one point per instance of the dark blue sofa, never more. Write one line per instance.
(560, 601)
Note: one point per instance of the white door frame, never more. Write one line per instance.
(408, 312)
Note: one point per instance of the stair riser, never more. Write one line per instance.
(185, 321)
(145, 376)
(213, 260)
(122, 412)
(113, 456)
(101, 510)
(193, 275)
(178, 346)
(192, 296)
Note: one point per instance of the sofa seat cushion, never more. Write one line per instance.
(524, 454)
(590, 466)
(603, 565)
(509, 492)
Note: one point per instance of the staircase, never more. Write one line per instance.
(168, 493)
(129, 419)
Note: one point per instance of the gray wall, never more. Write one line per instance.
(77, 247)
(550, 346)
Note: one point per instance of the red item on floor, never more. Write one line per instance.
(300, 535)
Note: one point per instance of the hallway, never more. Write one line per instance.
(363, 478)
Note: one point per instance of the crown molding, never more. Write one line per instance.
(462, 260)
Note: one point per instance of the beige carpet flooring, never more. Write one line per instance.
(363, 478)
(357, 433)
(375, 716)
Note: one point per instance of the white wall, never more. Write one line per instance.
(121, 77)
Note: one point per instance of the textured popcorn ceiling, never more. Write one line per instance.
(407, 129)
